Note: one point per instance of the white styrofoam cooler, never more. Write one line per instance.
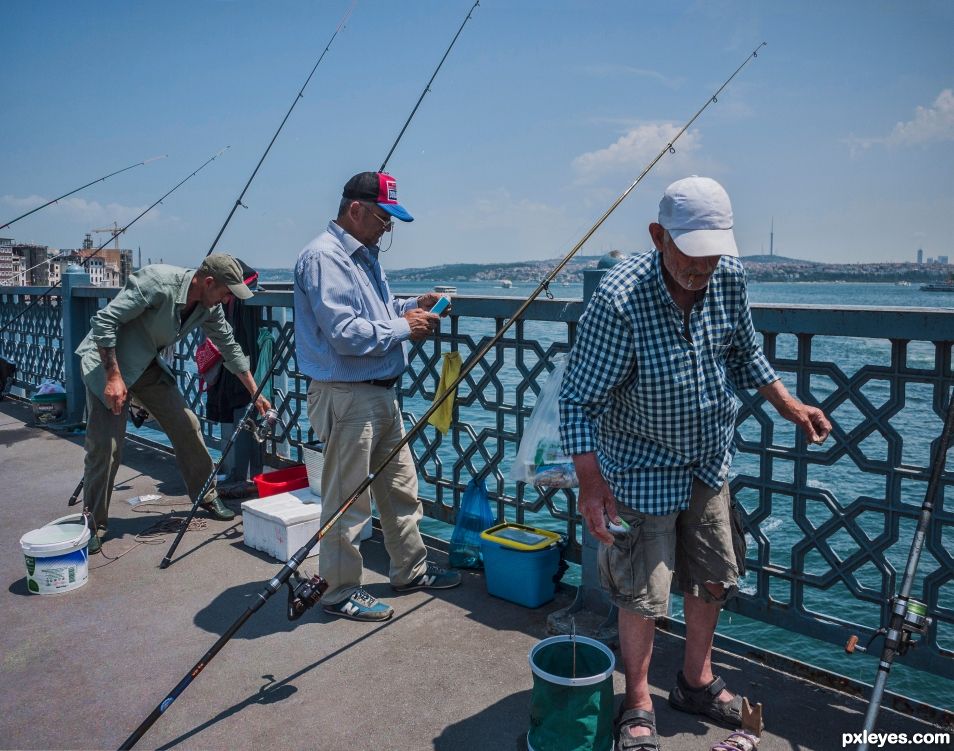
(280, 524)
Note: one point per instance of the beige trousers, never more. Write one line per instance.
(360, 424)
(106, 433)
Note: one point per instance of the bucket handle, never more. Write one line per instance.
(68, 517)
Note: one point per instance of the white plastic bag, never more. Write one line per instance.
(540, 458)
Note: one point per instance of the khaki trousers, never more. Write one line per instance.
(360, 424)
(106, 433)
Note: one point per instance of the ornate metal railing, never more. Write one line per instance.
(33, 335)
(829, 527)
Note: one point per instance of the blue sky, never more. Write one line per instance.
(842, 130)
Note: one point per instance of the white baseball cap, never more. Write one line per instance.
(698, 216)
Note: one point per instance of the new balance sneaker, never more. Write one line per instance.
(361, 606)
(434, 577)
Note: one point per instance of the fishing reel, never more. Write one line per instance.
(914, 620)
(305, 594)
(263, 427)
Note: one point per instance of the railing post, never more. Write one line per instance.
(591, 614)
(76, 314)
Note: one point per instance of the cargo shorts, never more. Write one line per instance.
(703, 544)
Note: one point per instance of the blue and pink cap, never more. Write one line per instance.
(379, 188)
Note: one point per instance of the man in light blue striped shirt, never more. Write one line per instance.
(350, 334)
(648, 413)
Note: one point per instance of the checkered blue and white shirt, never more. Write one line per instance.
(657, 408)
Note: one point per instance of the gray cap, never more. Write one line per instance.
(226, 270)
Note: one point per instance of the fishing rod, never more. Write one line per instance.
(65, 195)
(427, 88)
(167, 560)
(35, 301)
(301, 93)
(908, 616)
(259, 431)
(305, 593)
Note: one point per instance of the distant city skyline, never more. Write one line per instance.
(837, 138)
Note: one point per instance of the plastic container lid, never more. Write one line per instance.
(54, 538)
(520, 537)
(285, 508)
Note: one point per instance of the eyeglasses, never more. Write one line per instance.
(386, 224)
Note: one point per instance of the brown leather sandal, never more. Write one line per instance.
(705, 701)
(641, 718)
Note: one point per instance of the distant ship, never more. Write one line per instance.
(947, 286)
(506, 283)
(445, 289)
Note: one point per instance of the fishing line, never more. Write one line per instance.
(36, 300)
(306, 593)
(301, 93)
(99, 180)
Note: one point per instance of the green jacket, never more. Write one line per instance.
(143, 319)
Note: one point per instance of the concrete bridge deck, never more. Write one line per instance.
(449, 672)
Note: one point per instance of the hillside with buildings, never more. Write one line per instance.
(768, 268)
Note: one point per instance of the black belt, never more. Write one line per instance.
(385, 383)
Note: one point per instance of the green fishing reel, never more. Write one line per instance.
(914, 620)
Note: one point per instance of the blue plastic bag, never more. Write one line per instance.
(473, 518)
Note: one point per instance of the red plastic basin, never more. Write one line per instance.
(281, 480)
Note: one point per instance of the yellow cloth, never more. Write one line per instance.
(441, 419)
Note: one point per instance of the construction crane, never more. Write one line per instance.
(114, 230)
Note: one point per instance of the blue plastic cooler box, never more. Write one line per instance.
(520, 563)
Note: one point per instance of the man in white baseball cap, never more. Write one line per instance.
(648, 415)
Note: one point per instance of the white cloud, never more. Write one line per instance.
(90, 213)
(635, 149)
(934, 124)
(930, 124)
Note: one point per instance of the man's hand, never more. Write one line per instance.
(421, 322)
(262, 405)
(248, 381)
(810, 419)
(115, 393)
(595, 498)
(427, 300)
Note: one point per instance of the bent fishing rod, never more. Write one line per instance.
(66, 195)
(908, 616)
(427, 87)
(305, 593)
(35, 301)
(301, 94)
(167, 560)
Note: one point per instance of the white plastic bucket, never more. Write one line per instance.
(314, 458)
(56, 557)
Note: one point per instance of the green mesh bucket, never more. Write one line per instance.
(571, 707)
